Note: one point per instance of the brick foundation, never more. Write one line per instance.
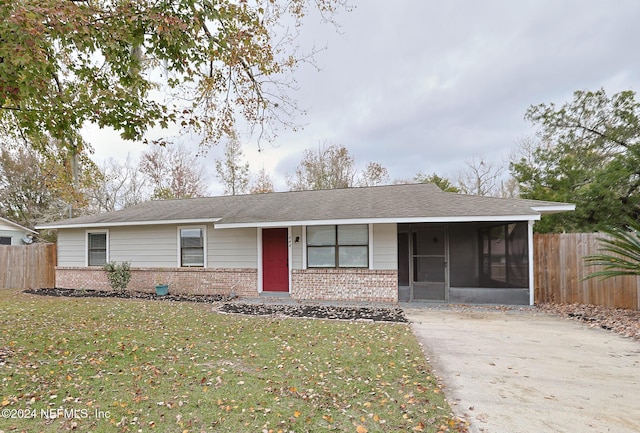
(345, 284)
(199, 281)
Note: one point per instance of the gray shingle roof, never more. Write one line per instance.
(390, 203)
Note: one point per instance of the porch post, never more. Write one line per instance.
(259, 246)
(290, 254)
(532, 288)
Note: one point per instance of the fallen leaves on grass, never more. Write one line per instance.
(145, 365)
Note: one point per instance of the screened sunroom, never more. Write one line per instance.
(470, 262)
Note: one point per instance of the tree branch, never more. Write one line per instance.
(578, 125)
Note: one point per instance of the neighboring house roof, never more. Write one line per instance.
(14, 226)
(391, 203)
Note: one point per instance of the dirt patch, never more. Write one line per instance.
(227, 305)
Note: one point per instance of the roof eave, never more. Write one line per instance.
(126, 223)
(546, 209)
(441, 220)
(18, 226)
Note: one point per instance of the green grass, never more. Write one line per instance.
(111, 365)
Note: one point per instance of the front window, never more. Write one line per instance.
(192, 247)
(344, 246)
(97, 249)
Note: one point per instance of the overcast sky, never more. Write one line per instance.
(422, 85)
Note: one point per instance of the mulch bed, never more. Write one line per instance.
(376, 314)
(126, 294)
(227, 305)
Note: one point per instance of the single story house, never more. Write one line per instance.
(14, 234)
(385, 243)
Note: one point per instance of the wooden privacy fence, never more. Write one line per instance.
(559, 268)
(27, 266)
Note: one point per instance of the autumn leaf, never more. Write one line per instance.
(70, 63)
(319, 382)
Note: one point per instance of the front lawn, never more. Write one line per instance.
(110, 365)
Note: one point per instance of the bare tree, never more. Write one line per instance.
(173, 173)
(331, 166)
(509, 188)
(481, 177)
(233, 173)
(374, 174)
(120, 186)
(262, 183)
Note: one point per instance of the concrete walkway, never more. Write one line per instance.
(525, 372)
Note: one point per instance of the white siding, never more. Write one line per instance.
(9, 227)
(233, 248)
(296, 248)
(10, 231)
(71, 247)
(145, 246)
(385, 246)
(142, 246)
(157, 246)
(16, 237)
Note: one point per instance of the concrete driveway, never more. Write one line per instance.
(524, 371)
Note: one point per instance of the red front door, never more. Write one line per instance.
(275, 260)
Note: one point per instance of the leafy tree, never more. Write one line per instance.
(441, 182)
(37, 187)
(232, 172)
(135, 64)
(588, 154)
(621, 252)
(261, 184)
(173, 173)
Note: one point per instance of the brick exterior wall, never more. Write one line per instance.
(307, 284)
(345, 284)
(200, 281)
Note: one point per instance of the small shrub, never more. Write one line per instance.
(119, 274)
